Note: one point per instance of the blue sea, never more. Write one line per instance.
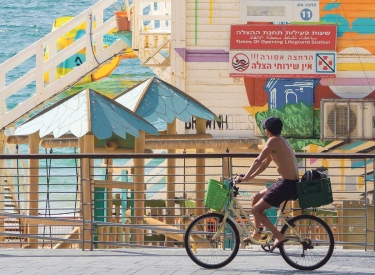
(23, 22)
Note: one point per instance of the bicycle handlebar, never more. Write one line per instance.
(233, 185)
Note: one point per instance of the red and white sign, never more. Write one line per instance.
(288, 64)
(283, 37)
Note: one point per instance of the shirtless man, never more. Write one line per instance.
(278, 150)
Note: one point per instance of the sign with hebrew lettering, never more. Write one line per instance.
(279, 11)
(282, 64)
(283, 37)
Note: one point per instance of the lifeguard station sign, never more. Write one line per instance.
(278, 51)
(279, 11)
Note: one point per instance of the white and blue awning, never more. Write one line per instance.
(86, 112)
(155, 98)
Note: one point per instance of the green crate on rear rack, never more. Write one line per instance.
(216, 195)
(314, 193)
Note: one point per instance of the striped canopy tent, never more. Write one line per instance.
(154, 98)
(86, 112)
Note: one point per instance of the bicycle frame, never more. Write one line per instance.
(246, 228)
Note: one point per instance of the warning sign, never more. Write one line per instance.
(325, 63)
(282, 64)
(240, 62)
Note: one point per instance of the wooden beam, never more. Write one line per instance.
(46, 222)
(74, 235)
(178, 136)
(33, 187)
(139, 188)
(171, 181)
(200, 185)
(113, 184)
(202, 143)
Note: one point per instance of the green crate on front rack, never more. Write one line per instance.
(216, 195)
(314, 193)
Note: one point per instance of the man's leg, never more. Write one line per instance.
(254, 201)
(258, 212)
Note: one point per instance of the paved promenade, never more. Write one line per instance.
(168, 261)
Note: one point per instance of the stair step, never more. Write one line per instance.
(12, 238)
(9, 205)
(6, 188)
(10, 221)
(14, 230)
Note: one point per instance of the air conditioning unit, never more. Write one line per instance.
(342, 119)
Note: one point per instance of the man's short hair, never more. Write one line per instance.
(273, 124)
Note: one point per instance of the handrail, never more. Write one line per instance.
(36, 73)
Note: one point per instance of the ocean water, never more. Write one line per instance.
(23, 22)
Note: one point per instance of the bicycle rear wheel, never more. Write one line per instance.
(204, 249)
(316, 248)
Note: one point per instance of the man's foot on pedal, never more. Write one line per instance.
(255, 236)
(277, 244)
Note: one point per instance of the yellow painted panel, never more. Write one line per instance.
(255, 109)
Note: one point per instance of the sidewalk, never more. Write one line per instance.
(167, 261)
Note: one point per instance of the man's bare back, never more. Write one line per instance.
(283, 156)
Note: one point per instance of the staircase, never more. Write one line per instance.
(152, 35)
(9, 225)
(150, 42)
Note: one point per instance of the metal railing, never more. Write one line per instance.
(93, 201)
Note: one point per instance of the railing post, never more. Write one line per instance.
(3, 106)
(98, 16)
(39, 59)
(373, 202)
(2, 183)
(86, 172)
(200, 185)
(33, 200)
(139, 187)
(52, 47)
(366, 208)
(89, 40)
(171, 183)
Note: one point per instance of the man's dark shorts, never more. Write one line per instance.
(280, 191)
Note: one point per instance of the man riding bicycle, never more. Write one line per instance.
(278, 150)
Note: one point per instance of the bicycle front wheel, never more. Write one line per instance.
(317, 243)
(210, 242)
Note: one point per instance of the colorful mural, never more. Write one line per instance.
(297, 101)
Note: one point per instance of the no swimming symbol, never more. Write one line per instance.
(325, 63)
(240, 62)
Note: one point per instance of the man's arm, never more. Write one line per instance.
(262, 167)
(261, 162)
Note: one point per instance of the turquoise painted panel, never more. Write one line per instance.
(108, 117)
(331, 6)
(353, 145)
(342, 23)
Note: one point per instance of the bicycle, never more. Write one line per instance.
(212, 240)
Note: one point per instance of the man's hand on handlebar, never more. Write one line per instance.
(239, 178)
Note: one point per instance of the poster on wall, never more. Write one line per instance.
(283, 37)
(282, 64)
(279, 11)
